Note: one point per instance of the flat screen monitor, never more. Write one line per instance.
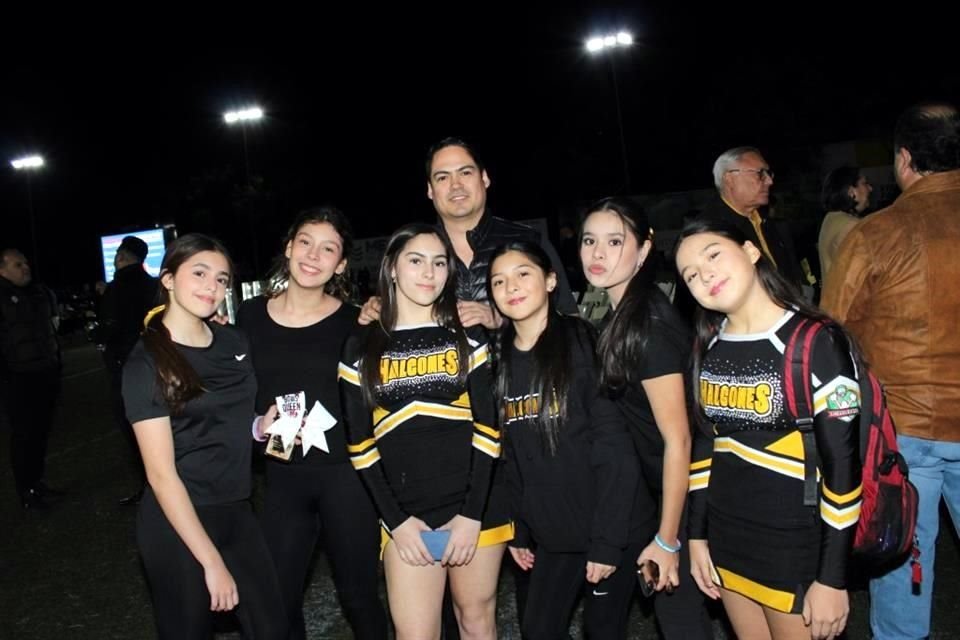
(154, 240)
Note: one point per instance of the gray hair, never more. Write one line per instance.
(726, 160)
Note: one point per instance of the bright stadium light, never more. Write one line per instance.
(250, 114)
(27, 162)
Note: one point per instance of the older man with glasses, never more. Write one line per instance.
(743, 180)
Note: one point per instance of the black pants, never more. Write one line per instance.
(304, 501)
(556, 582)
(115, 376)
(181, 601)
(29, 400)
(682, 615)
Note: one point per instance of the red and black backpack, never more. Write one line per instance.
(888, 511)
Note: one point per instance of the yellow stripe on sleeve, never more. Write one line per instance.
(346, 373)
(841, 499)
(478, 357)
(482, 428)
(700, 464)
(366, 460)
(492, 449)
(363, 446)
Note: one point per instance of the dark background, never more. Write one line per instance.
(127, 110)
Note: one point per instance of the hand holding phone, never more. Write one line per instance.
(648, 575)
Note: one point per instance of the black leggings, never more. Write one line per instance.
(181, 601)
(556, 582)
(30, 399)
(115, 376)
(306, 500)
(682, 615)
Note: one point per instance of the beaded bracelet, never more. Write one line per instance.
(666, 547)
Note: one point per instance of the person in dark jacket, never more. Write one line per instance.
(125, 303)
(457, 183)
(581, 519)
(743, 180)
(29, 374)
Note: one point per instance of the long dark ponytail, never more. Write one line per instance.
(178, 381)
(444, 310)
(551, 357)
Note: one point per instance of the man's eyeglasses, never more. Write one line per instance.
(762, 174)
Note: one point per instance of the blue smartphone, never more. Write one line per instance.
(436, 542)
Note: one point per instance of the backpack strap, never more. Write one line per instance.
(799, 399)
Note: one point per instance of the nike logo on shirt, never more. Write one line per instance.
(240, 357)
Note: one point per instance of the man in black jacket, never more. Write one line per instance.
(457, 183)
(125, 303)
(29, 374)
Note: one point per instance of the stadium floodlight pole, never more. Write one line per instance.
(243, 118)
(599, 45)
(28, 165)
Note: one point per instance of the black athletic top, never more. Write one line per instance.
(289, 360)
(211, 437)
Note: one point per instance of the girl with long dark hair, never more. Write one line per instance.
(188, 389)
(644, 351)
(580, 521)
(297, 331)
(779, 566)
(420, 418)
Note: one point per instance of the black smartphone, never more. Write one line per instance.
(648, 575)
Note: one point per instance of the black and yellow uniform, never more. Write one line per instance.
(746, 482)
(429, 446)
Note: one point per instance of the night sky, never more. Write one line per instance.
(129, 118)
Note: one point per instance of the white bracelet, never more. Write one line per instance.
(666, 547)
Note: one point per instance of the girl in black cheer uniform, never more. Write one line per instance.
(296, 334)
(420, 416)
(779, 566)
(188, 388)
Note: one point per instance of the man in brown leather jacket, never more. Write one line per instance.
(894, 285)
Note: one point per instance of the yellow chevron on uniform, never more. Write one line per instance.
(419, 408)
(777, 464)
(699, 474)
